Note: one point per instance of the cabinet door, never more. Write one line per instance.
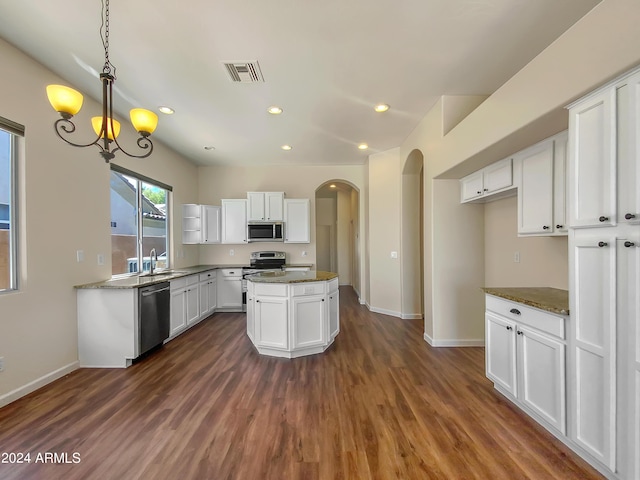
(178, 312)
(535, 190)
(628, 113)
(541, 374)
(212, 292)
(297, 221)
(592, 164)
(274, 205)
(500, 352)
(204, 298)
(234, 221)
(251, 313)
(334, 314)
(229, 292)
(255, 206)
(271, 317)
(560, 203)
(497, 176)
(309, 319)
(192, 304)
(471, 187)
(211, 224)
(593, 310)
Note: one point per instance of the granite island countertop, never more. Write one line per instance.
(552, 300)
(292, 277)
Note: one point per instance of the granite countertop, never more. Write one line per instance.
(292, 277)
(552, 300)
(137, 281)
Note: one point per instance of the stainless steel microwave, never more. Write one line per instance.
(265, 232)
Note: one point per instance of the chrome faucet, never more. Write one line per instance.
(152, 254)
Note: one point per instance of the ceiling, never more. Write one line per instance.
(326, 63)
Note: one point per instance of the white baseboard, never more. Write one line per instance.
(20, 392)
(385, 311)
(454, 342)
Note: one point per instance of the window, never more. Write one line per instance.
(10, 132)
(139, 222)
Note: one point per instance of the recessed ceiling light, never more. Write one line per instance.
(363, 146)
(332, 185)
(209, 147)
(274, 110)
(286, 147)
(166, 110)
(381, 107)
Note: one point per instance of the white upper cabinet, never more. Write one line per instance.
(485, 184)
(234, 221)
(592, 179)
(541, 179)
(628, 151)
(211, 231)
(297, 217)
(265, 206)
(191, 223)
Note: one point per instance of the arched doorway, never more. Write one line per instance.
(412, 235)
(338, 231)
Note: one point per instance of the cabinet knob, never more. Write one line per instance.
(515, 311)
(629, 216)
(559, 226)
(629, 244)
(604, 219)
(520, 332)
(257, 301)
(602, 244)
(509, 327)
(323, 299)
(486, 189)
(545, 227)
(479, 192)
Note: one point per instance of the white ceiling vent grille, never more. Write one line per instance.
(244, 72)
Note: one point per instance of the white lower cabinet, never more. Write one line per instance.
(271, 321)
(208, 293)
(229, 289)
(308, 326)
(185, 303)
(525, 358)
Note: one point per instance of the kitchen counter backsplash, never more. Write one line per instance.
(552, 300)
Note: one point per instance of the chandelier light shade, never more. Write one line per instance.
(68, 102)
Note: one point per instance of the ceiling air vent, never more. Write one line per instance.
(244, 72)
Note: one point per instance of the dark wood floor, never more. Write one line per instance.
(379, 404)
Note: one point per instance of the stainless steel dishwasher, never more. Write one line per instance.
(154, 316)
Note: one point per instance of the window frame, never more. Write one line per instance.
(16, 132)
(140, 179)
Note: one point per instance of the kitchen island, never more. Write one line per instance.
(292, 314)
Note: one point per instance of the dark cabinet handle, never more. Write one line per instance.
(515, 311)
(602, 244)
(323, 299)
(486, 189)
(629, 244)
(520, 332)
(559, 226)
(509, 327)
(545, 227)
(629, 216)
(603, 218)
(479, 192)
(257, 301)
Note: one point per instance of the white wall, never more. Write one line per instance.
(344, 237)
(64, 207)
(384, 232)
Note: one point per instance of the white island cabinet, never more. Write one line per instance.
(292, 314)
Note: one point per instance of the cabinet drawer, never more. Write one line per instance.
(270, 289)
(178, 283)
(191, 280)
(211, 274)
(230, 272)
(333, 285)
(538, 319)
(301, 289)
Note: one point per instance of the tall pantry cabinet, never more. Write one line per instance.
(604, 281)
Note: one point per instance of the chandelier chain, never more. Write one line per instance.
(108, 66)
